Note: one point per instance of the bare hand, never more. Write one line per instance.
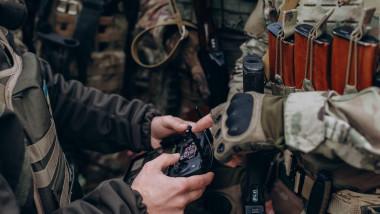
(165, 126)
(163, 194)
(202, 124)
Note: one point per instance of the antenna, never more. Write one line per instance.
(191, 134)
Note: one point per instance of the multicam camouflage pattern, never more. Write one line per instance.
(346, 201)
(278, 87)
(231, 14)
(345, 127)
(307, 85)
(375, 22)
(180, 82)
(310, 11)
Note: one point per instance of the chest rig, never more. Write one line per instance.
(23, 89)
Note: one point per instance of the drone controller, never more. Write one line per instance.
(196, 155)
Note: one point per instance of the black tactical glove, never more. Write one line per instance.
(249, 121)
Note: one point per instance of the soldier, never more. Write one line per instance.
(340, 142)
(40, 111)
(291, 126)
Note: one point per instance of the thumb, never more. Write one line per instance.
(164, 160)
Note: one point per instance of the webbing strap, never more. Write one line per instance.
(14, 72)
(40, 149)
(288, 5)
(356, 35)
(346, 201)
(65, 197)
(85, 33)
(181, 30)
(315, 191)
(37, 198)
(45, 176)
(319, 29)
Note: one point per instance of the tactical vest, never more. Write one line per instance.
(230, 14)
(23, 89)
(101, 32)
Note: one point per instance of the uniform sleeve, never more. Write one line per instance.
(345, 127)
(97, 121)
(8, 202)
(111, 196)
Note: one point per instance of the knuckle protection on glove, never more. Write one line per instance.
(239, 128)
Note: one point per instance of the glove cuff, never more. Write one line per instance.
(272, 120)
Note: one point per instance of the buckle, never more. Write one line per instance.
(70, 7)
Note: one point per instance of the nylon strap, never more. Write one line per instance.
(287, 30)
(37, 198)
(85, 33)
(13, 72)
(40, 149)
(315, 191)
(319, 29)
(181, 30)
(288, 5)
(45, 176)
(356, 35)
(65, 197)
(346, 201)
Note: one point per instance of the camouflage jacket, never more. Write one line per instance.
(345, 127)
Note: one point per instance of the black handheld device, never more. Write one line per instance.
(196, 155)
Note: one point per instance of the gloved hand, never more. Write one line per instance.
(249, 121)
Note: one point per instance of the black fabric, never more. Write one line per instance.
(111, 196)
(12, 147)
(217, 203)
(239, 113)
(320, 194)
(85, 31)
(8, 203)
(97, 121)
(12, 14)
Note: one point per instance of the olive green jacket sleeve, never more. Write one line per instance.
(345, 127)
(90, 119)
(112, 196)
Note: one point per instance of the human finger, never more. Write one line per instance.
(163, 161)
(174, 123)
(269, 207)
(235, 160)
(204, 123)
(193, 195)
(197, 182)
